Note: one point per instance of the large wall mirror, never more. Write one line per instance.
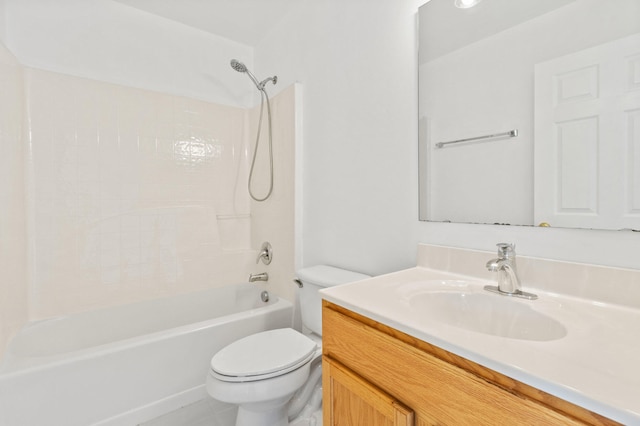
(530, 112)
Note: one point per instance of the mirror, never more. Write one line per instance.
(529, 113)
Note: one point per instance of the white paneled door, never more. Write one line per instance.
(587, 138)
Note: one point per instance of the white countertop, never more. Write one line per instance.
(596, 365)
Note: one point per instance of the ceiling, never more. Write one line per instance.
(244, 21)
(445, 28)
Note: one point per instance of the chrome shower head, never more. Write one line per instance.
(238, 66)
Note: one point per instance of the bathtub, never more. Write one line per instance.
(127, 364)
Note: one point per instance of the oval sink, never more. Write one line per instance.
(489, 314)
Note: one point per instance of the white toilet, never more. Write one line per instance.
(262, 372)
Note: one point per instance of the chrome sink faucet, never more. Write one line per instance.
(505, 266)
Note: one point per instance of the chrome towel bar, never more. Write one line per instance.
(511, 133)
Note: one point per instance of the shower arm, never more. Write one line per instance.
(260, 85)
(242, 68)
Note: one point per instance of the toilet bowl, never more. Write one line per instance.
(262, 372)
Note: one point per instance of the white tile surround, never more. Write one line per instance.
(131, 194)
(13, 297)
(599, 283)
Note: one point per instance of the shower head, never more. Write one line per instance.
(240, 67)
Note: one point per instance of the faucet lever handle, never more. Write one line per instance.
(506, 250)
(265, 254)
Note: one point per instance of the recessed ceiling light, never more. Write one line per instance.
(466, 4)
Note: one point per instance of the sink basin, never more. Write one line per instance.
(487, 313)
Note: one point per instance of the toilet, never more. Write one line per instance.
(261, 372)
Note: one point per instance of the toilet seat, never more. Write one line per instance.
(262, 356)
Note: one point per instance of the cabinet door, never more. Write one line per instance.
(354, 402)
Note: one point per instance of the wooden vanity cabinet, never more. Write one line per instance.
(374, 375)
(355, 401)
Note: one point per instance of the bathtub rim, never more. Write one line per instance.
(13, 365)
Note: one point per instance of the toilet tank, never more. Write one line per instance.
(316, 278)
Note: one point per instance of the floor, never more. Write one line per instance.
(209, 412)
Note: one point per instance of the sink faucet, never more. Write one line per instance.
(505, 266)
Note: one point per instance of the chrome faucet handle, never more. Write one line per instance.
(266, 253)
(506, 250)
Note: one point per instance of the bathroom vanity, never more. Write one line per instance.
(390, 358)
(376, 371)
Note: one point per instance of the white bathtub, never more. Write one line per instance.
(127, 364)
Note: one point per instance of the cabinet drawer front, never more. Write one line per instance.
(438, 392)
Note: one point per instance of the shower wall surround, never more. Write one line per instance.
(13, 289)
(134, 194)
(129, 194)
(274, 220)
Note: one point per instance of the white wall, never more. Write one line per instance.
(356, 61)
(112, 42)
(3, 22)
(358, 64)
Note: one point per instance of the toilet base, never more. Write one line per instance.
(272, 413)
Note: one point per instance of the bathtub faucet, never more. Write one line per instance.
(263, 276)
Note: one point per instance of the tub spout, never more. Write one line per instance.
(263, 276)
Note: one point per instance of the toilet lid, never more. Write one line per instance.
(263, 355)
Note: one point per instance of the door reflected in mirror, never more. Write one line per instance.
(529, 113)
